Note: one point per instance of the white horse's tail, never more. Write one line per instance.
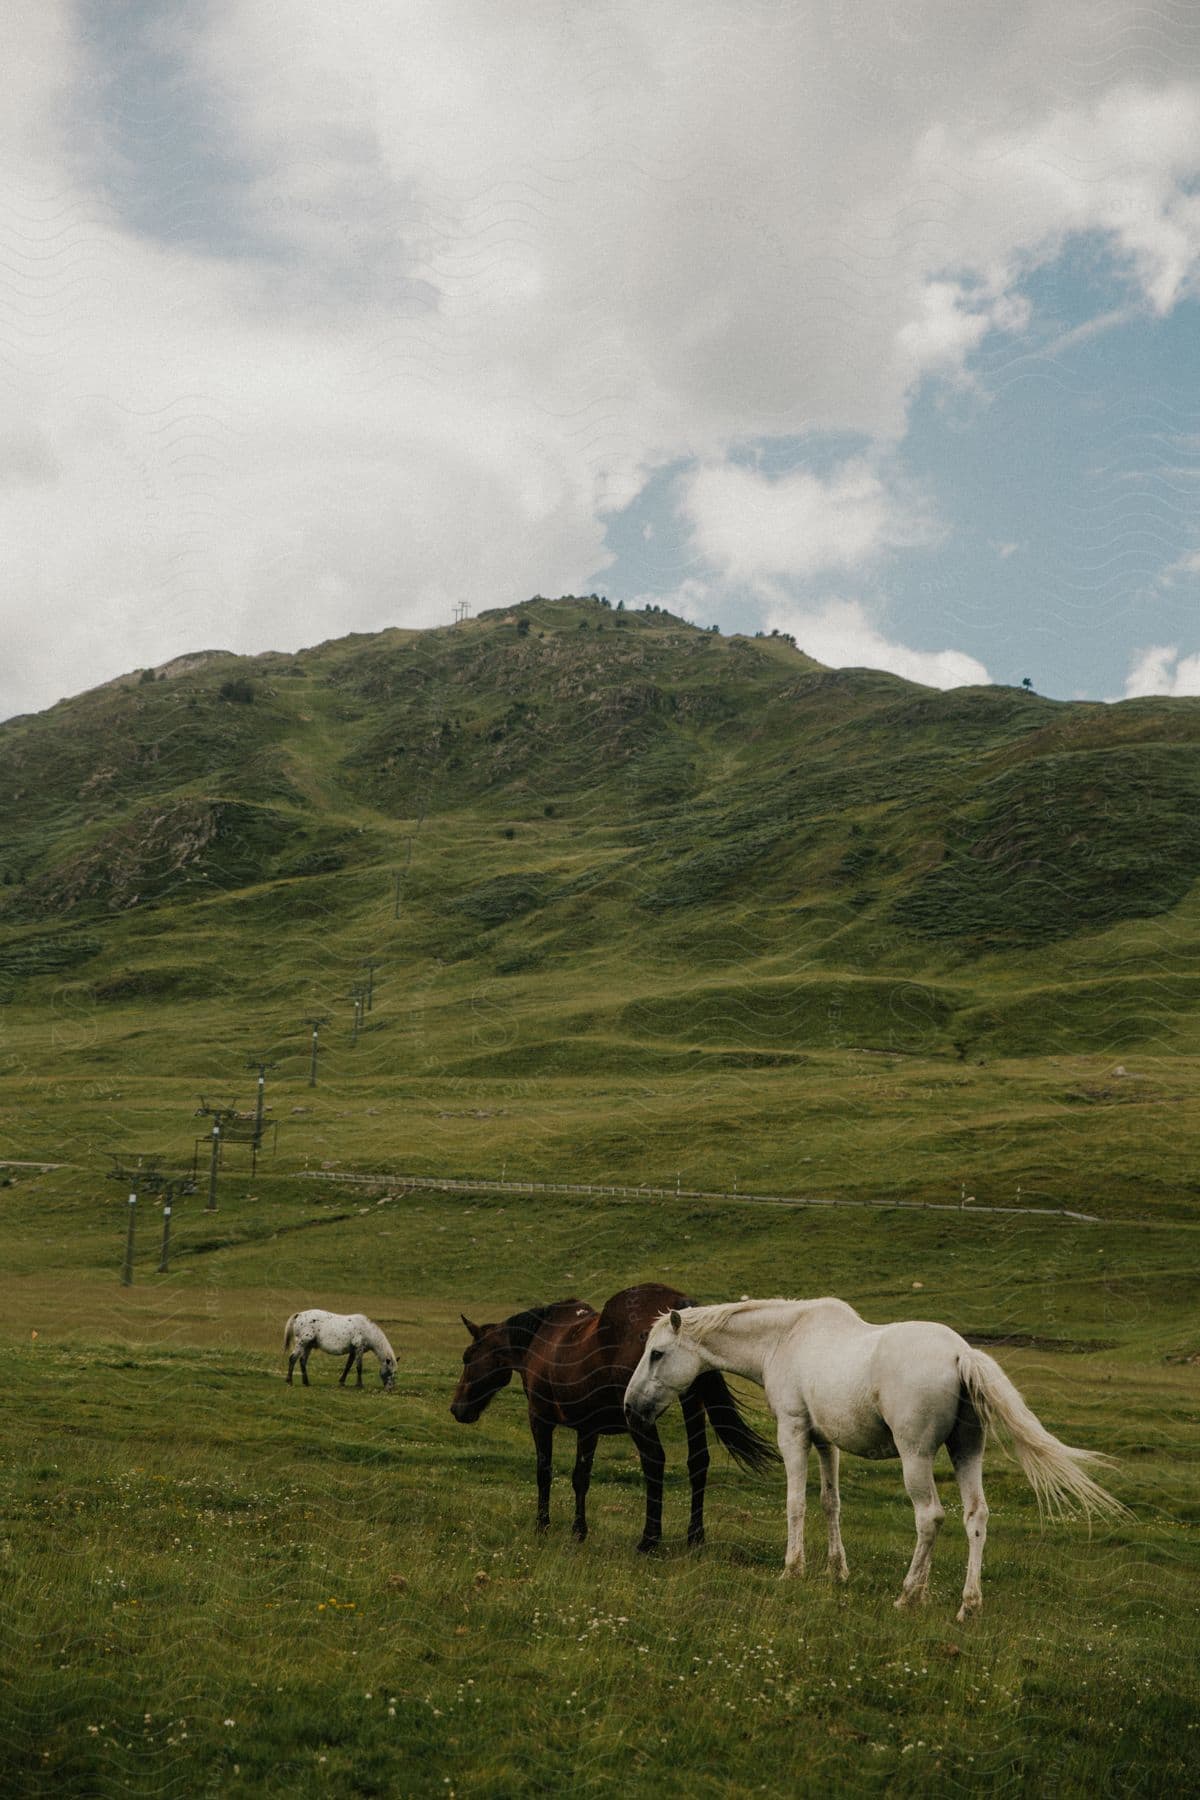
(1056, 1472)
(289, 1332)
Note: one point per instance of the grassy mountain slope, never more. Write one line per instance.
(651, 906)
(592, 846)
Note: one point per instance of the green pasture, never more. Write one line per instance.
(217, 1584)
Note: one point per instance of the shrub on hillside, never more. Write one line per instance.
(238, 690)
(495, 902)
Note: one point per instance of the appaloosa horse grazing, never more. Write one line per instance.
(574, 1364)
(340, 1334)
(835, 1382)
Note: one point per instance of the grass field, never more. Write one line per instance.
(214, 1583)
(652, 907)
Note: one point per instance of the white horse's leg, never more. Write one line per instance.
(305, 1352)
(358, 1359)
(968, 1466)
(793, 1447)
(831, 1504)
(347, 1369)
(919, 1483)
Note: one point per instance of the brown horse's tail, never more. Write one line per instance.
(743, 1443)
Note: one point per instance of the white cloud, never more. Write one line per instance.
(841, 633)
(946, 324)
(483, 271)
(752, 528)
(1188, 564)
(1120, 166)
(1159, 669)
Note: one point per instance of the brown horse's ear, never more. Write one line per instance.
(476, 1331)
(676, 1321)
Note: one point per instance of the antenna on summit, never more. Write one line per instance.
(462, 611)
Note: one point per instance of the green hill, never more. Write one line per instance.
(594, 846)
(650, 908)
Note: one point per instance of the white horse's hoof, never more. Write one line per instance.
(791, 1571)
(970, 1609)
(907, 1601)
(839, 1572)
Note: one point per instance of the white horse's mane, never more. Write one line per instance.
(700, 1322)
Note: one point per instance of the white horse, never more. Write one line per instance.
(341, 1334)
(836, 1383)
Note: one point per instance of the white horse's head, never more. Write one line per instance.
(387, 1372)
(670, 1363)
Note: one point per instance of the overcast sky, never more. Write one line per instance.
(876, 323)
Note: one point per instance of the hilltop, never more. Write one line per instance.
(592, 843)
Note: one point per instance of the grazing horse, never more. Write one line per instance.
(835, 1382)
(341, 1334)
(574, 1364)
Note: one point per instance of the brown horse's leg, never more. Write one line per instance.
(581, 1478)
(697, 1443)
(543, 1443)
(346, 1370)
(654, 1461)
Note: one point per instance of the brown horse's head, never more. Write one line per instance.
(488, 1363)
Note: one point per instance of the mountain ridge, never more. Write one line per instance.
(595, 844)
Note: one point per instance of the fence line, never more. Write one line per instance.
(484, 1184)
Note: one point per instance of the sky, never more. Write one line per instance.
(873, 323)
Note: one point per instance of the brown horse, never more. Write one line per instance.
(575, 1364)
